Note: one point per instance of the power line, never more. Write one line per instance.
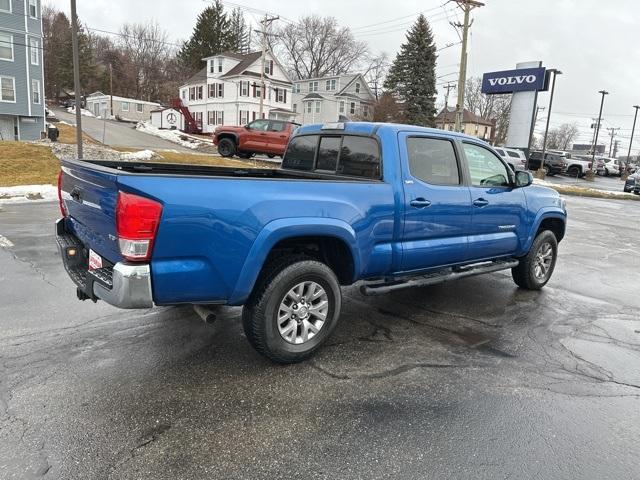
(399, 18)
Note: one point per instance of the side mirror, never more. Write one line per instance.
(523, 178)
(247, 127)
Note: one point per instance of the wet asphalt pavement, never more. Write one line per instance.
(472, 379)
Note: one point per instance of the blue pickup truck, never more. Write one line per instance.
(388, 206)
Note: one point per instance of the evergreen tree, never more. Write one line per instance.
(412, 77)
(211, 35)
(240, 32)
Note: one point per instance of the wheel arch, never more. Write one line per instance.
(326, 239)
(547, 219)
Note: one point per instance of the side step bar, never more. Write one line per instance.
(377, 287)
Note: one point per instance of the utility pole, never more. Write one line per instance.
(76, 76)
(263, 90)
(448, 87)
(595, 140)
(556, 72)
(533, 126)
(111, 90)
(466, 6)
(612, 134)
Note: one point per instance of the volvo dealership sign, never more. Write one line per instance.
(510, 81)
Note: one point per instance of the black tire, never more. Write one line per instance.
(260, 312)
(227, 147)
(270, 155)
(245, 155)
(546, 170)
(525, 273)
(574, 172)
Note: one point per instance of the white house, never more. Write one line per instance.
(131, 109)
(168, 118)
(228, 90)
(327, 99)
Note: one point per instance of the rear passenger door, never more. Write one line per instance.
(437, 203)
(278, 137)
(499, 209)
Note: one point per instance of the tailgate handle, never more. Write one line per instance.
(75, 194)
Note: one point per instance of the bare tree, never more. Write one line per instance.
(376, 72)
(493, 107)
(561, 137)
(316, 46)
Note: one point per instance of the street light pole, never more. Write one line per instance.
(76, 76)
(556, 72)
(633, 130)
(595, 141)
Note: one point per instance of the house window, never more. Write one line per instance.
(318, 106)
(357, 87)
(211, 66)
(244, 88)
(365, 110)
(313, 86)
(341, 107)
(281, 95)
(219, 61)
(268, 67)
(6, 47)
(199, 92)
(35, 91)
(257, 90)
(7, 89)
(33, 51)
(330, 84)
(220, 90)
(5, 6)
(352, 108)
(192, 93)
(295, 107)
(244, 117)
(212, 90)
(211, 117)
(125, 106)
(309, 107)
(140, 107)
(296, 88)
(219, 117)
(33, 8)
(197, 116)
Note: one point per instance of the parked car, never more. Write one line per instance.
(577, 165)
(260, 136)
(607, 166)
(389, 206)
(632, 182)
(554, 162)
(514, 157)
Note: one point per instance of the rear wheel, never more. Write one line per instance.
(270, 155)
(293, 310)
(574, 171)
(226, 147)
(535, 269)
(245, 155)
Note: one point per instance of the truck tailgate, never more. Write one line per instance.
(90, 194)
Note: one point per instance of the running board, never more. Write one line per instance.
(377, 287)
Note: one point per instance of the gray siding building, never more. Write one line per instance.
(21, 70)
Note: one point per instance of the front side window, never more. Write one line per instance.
(139, 107)
(513, 154)
(6, 47)
(433, 161)
(125, 106)
(7, 89)
(261, 125)
(5, 5)
(35, 91)
(486, 169)
(33, 8)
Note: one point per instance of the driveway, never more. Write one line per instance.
(473, 379)
(119, 134)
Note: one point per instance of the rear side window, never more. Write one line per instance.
(359, 157)
(500, 152)
(513, 154)
(433, 161)
(343, 154)
(301, 153)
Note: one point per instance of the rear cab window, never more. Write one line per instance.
(348, 155)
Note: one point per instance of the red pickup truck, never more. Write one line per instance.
(260, 136)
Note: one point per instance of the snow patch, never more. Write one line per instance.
(28, 193)
(174, 136)
(139, 156)
(84, 112)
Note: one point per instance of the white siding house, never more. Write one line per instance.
(227, 91)
(130, 109)
(328, 99)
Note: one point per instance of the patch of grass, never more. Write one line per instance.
(68, 135)
(27, 164)
(591, 192)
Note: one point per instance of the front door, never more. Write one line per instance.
(437, 203)
(499, 209)
(255, 139)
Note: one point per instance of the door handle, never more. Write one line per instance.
(263, 134)
(480, 202)
(420, 202)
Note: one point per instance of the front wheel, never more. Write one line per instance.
(293, 310)
(535, 269)
(227, 147)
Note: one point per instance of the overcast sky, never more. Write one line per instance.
(595, 43)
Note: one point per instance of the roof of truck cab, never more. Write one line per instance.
(370, 128)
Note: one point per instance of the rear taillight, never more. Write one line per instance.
(137, 220)
(63, 209)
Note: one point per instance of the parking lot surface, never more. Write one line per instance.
(472, 379)
(608, 184)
